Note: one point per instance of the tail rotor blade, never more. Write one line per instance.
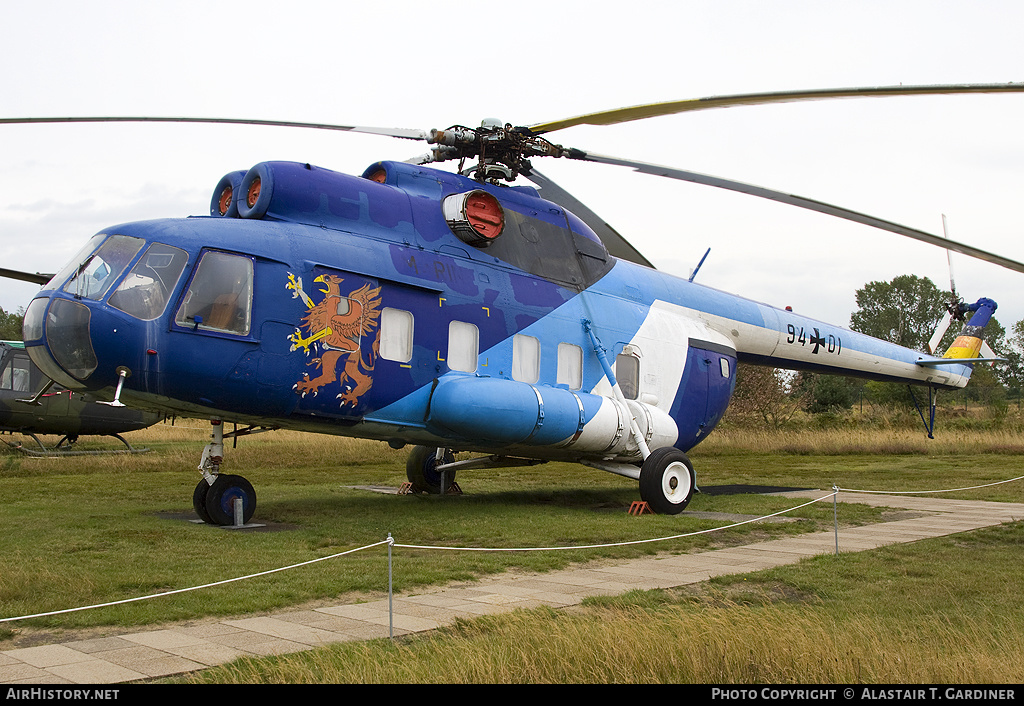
(987, 352)
(936, 338)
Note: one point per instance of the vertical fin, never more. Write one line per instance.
(968, 343)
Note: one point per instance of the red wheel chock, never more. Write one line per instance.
(640, 507)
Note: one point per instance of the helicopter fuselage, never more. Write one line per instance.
(403, 305)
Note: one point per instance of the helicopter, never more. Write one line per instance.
(52, 409)
(454, 312)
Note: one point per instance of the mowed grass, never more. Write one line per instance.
(86, 530)
(91, 529)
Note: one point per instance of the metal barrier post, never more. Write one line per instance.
(835, 515)
(391, 614)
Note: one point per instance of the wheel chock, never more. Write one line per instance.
(640, 507)
(405, 488)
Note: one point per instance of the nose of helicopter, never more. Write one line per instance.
(61, 337)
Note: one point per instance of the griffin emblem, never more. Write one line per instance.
(335, 327)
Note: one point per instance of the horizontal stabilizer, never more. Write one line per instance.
(937, 362)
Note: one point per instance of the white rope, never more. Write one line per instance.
(921, 492)
(194, 588)
(616, 544)
(390, 541)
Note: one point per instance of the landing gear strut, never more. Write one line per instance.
(215, 496)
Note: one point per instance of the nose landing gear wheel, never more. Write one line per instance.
(220, 499)
(199, 501)
(667, 481)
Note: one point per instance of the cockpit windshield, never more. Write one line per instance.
(94, 276)
(61, 277)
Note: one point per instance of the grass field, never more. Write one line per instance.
(90, 529)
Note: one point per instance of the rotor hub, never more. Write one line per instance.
(502, 150)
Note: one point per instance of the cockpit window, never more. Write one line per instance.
(94, 276)
(15, 374)
(61, 277)
(146, 289)
(219, 298)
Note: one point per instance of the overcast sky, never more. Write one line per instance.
(423, 65)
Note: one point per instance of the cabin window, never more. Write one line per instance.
(219, 298)
(463, 346)
(93, 277)
(145, 291)
(15, 374)
(570, 366)
(627, 373)
(724, 364)
(396, 327)
(525, 358)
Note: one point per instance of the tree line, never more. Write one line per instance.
(10, 325)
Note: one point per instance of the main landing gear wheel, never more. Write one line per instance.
(220, 499)
(421, 470)
(667, 481)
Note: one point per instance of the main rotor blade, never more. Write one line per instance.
(617, 245)
(388, 132)
(37, 278)
(802, 202)
(652, 110)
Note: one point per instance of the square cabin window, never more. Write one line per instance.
(396, 326)
(525, 358)
(570, 366)
(463, 346)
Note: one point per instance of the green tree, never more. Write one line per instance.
(1011, 373)
(905, 311)
(10, 325)
(763, 395)
(827, 394)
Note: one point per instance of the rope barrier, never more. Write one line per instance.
(194, 588)
(391, 543)
(923, 492)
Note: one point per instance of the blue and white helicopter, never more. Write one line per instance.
(448, 311)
